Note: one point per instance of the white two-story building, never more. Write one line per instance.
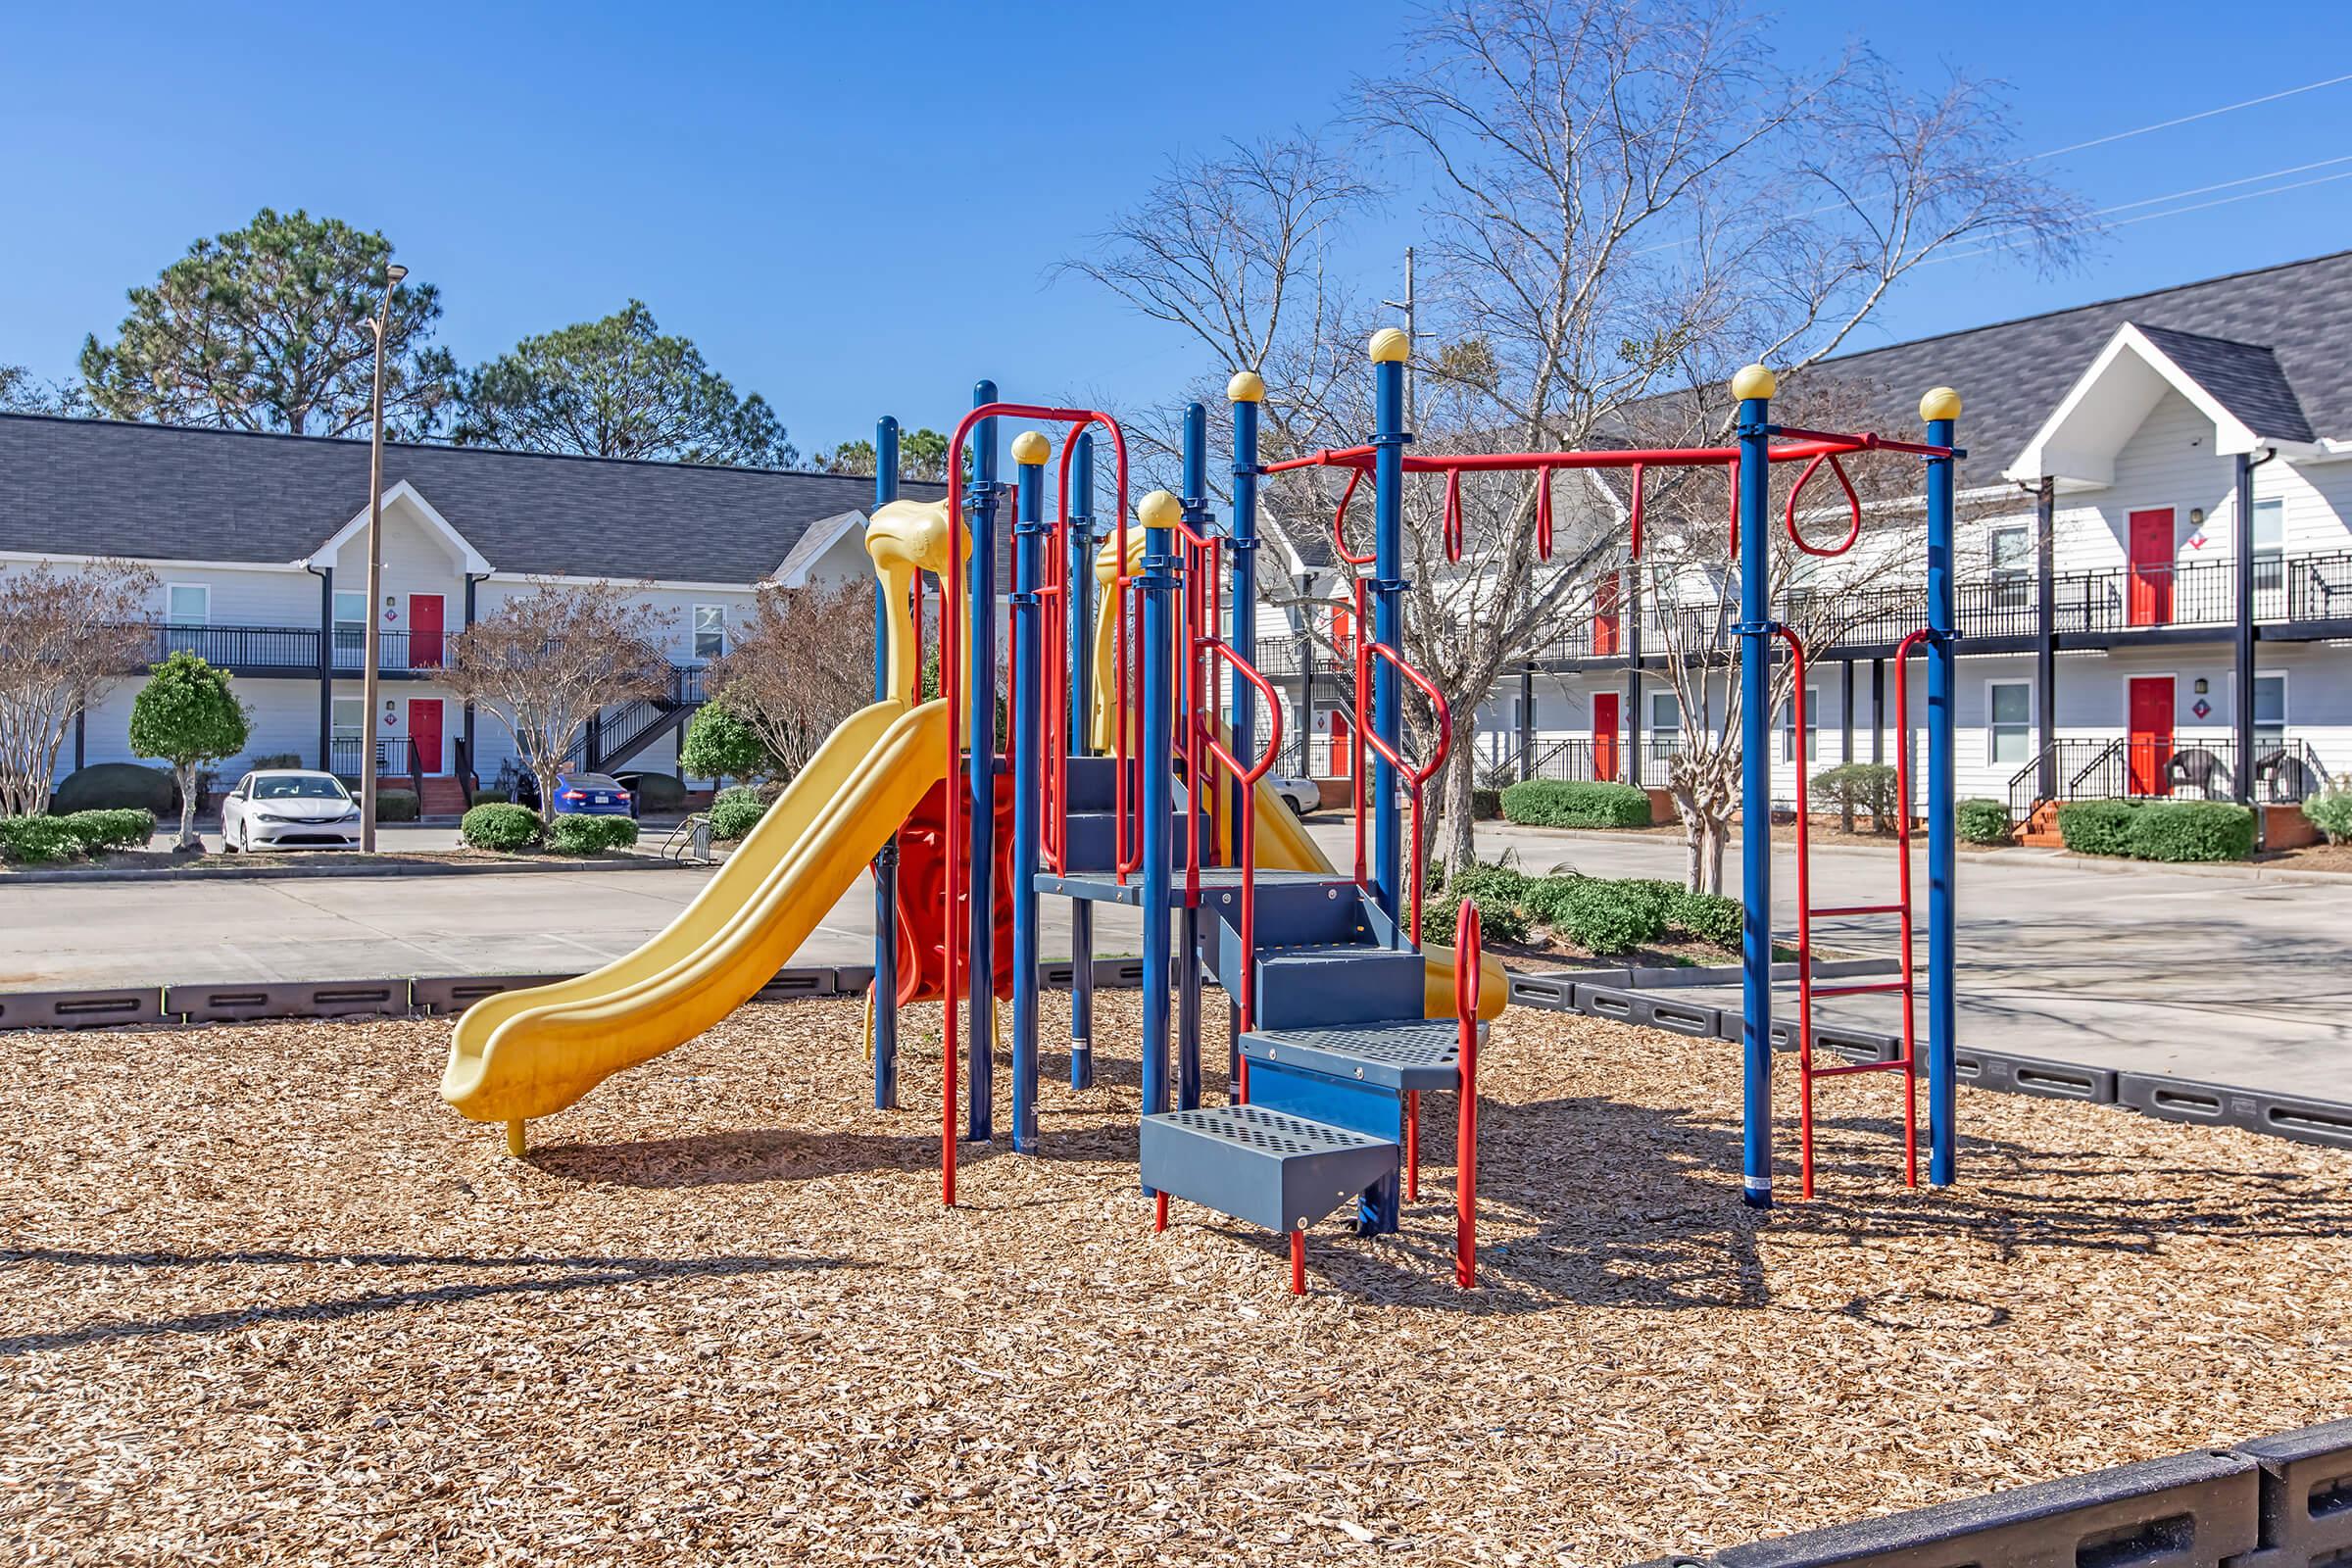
(259, 544)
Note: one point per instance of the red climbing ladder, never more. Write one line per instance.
(1806, 991)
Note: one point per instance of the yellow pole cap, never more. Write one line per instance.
(1247, 386)
(1942, 403)
(1390, 346)
(1159, 509)
(1029, 448)
(1755, 381)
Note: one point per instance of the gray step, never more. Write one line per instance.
(1404, 1054)
(1092, 840)
(1272, 1169)
(1341, 983)
(1102, 887)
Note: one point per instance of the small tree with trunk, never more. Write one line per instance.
(65, 636)
(187, 715)
(804, 664)
(547, 660)
(720, 744)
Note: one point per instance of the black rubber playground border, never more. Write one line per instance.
(2300, 1118)
(2281, 1502)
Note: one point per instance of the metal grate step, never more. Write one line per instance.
(1399, 1054)
(1268, 1167)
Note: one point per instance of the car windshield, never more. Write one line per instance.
(591, 781)
(298, 787)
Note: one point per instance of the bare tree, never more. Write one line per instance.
(547, 661)
(1629, 199)
(65, 636)
(804, 664)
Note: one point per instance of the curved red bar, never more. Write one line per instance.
(1543, 515)
(1454, 515)
(1853, 502)
(1339, 525)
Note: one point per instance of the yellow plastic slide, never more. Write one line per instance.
(533, 1052)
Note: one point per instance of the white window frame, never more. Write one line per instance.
(358, 623)
(2008, 582)
(356, 730)
(1993, 728)
(1787, 727)
(2284, 697)
(172, 591)
(695, 633)
(1655, 730)
(2270, 559)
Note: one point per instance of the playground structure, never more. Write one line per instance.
(1134, 768)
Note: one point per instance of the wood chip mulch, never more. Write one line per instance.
(265, 1298)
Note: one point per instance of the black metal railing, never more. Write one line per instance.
(2135, 767)
(242, 647)
(393, 754)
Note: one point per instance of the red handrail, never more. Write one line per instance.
(1416, 779)
(1853, 501)
(1468, 977)
(1452, 527)
(1245, 785)
(1544, 514)
(1339, 525)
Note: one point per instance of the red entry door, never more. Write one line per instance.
(2152, 567)
(1608, 623)
(1343, 759)
(2151, 741)
(424, 728)
(1605, 736)
(424, 631)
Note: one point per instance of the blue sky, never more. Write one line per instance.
(855, 210)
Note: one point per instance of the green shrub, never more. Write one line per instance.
(1867, 789)
(1605, 916)
(1708, 918)
(1485, 805)
(2191, 830)
(1497, 919)
(126, 829)
(658, 792)
(2095, 827)
(590, 835)
(278, 759)
(500, 825)
(36, 840)
(397, 806)
(1546, 900)
(735, 813)
(2331, 813)
(117, 786)
(1558, 803)
(1984, 821)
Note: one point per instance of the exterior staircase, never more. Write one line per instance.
(1326, 1100)
(2039, 829)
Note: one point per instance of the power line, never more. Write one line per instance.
(2173, 212)
(2183, 119)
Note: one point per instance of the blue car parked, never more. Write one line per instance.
(592, 795)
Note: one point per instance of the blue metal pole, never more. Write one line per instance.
(1082, 682)
(886, 860)
(1390, 348)
(1245, 391)
(1941, 409)
(1195, 790)
(1029, 450)
(1754, 387)
(1158, 512)
(980, 574)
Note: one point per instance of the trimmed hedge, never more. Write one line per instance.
(117, 786)
(1984, 821)
(2095, 827)
(1865, 788)
(1559, 803)
(397, 806)
(1611, 917)
(735, 813)
(126, 829)
(500, 825)
(2174, 831)
(1708, 917)
(1498, 920)
(36, 840)
(2331, 814)
(591, 835)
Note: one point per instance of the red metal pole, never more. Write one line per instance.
(1805, 919)
(1412, 1145)
(1467, 978)
(1297, 1263)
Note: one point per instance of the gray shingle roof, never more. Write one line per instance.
(102, 487)
(2246, 377)
(2011, 375)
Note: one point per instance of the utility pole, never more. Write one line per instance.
(1412, 334)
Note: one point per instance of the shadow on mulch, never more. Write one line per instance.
(585, 1273)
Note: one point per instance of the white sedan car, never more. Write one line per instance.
(290, 809)
(1300, 794)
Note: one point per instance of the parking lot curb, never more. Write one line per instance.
(247, 872)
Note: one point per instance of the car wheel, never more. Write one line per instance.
(228, 840)
(1297, 810)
